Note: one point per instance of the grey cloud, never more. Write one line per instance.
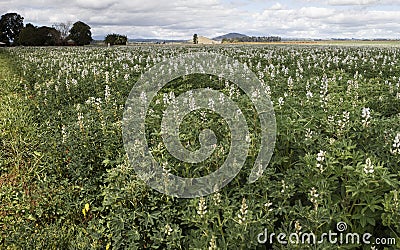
(180, 19)
(95, 4)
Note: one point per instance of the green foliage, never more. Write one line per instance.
(43, 36)
(66, 182)
(80, 33)
(116, 39)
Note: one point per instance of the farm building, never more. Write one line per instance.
(71, 42)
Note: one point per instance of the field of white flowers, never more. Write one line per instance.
(336, 158)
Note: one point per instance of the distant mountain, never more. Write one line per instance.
(204, 40)
(229, 36)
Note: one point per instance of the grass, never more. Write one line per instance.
(19, 160)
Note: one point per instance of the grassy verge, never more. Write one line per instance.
(37, 202)
(19, 157)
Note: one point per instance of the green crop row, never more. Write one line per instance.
(66, 182)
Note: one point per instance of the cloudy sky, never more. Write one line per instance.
(180, 19)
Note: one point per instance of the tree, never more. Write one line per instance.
(49, 36)
(11, 25)
(43, 36)
(116, 39)
(28, 37)
(63, 28)
(80, 33)
(195, 39)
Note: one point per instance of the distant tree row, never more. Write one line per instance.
(116, 39)
(43, 36)
(13, 32)
(257, 39)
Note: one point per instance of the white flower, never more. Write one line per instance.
(165, 98)
(314, 197)
(107, 77)
(396, 145)
(309, 95)
(321, 156)
(342, 123)
(217, 198)
(366, 115)
(331, 119)
(368, 168)
(107, 93)
(74, 82)
(309, 133)
(267, 205)
(320, 159)
(80, 116)
(280, 101)
(172, 97)
(284, 186)
(243, 211)
(80, 121)
(290, 84)
(323, 93)
(255, 94)
(63, 133)
(248, 138)
(168, 229)
(202, 208)
(91, 100)
(221, 98)
(211, 104)
(213, 243)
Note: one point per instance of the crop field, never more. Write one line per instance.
(67, 181)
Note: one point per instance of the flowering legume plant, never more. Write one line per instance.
(336, 157)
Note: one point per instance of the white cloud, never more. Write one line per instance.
(316, 13)
(180, 18)
(353, 2)
(276, 6)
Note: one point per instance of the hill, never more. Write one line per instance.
(204, 40)
(229, 36)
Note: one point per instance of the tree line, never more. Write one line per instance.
(256, 39)
(14, 33)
